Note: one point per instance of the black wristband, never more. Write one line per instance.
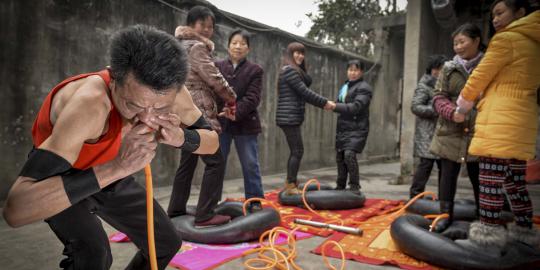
(42, 164)
(201, 123)
(80, 184)
(192, 140)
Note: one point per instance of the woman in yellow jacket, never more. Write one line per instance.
(506, 80)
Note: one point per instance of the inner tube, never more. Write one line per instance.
(463, 209)
(324, 199)
(412, 236)
(240, 229)
(444, 13)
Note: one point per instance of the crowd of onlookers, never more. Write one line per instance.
(480, 109)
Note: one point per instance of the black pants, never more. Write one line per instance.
(296, 146)
(347, 164)
(421, 176)
(449, 176)
(122, 205)
(211, 187)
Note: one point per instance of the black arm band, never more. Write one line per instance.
(192, 140)
(80, 184)
(200, 124)
(42, 164)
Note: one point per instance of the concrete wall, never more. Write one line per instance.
(44, 42)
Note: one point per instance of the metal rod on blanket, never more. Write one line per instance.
(338, 228)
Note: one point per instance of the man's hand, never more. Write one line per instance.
(330, 105)
(458, 117)
(227, 113)
(169, 132)
(137, 150)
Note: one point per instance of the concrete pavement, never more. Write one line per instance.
(35, 246)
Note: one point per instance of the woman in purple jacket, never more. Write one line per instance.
(243, 125)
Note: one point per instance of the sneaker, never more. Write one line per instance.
(339, 188)
(214, 221)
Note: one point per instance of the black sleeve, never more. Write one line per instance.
(252, 98)
(294, 81)
(422, 104)
(360, 102)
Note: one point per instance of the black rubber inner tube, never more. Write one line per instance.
(463, 209)
(412, 236)
(240, 229)
(324, 199)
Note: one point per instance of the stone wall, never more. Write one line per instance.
(44, 42)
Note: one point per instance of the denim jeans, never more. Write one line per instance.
(247, 149)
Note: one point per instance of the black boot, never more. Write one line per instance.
(446, 208)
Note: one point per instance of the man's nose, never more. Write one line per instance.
(146, 115)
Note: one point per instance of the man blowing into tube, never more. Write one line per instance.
(92, 133)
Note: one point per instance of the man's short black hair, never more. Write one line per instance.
(199, 13)
(435, 61)
(155, 58)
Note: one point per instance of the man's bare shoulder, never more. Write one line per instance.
(94, 89)
(86, 99)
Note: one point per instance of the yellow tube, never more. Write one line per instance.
(150, 217)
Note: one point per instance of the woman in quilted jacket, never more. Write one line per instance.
(352, 126)
(505, 84)
(293, 93)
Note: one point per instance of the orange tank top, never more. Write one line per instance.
(92, 154)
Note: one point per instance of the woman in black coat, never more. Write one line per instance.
(352, 125)
(293, 93)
